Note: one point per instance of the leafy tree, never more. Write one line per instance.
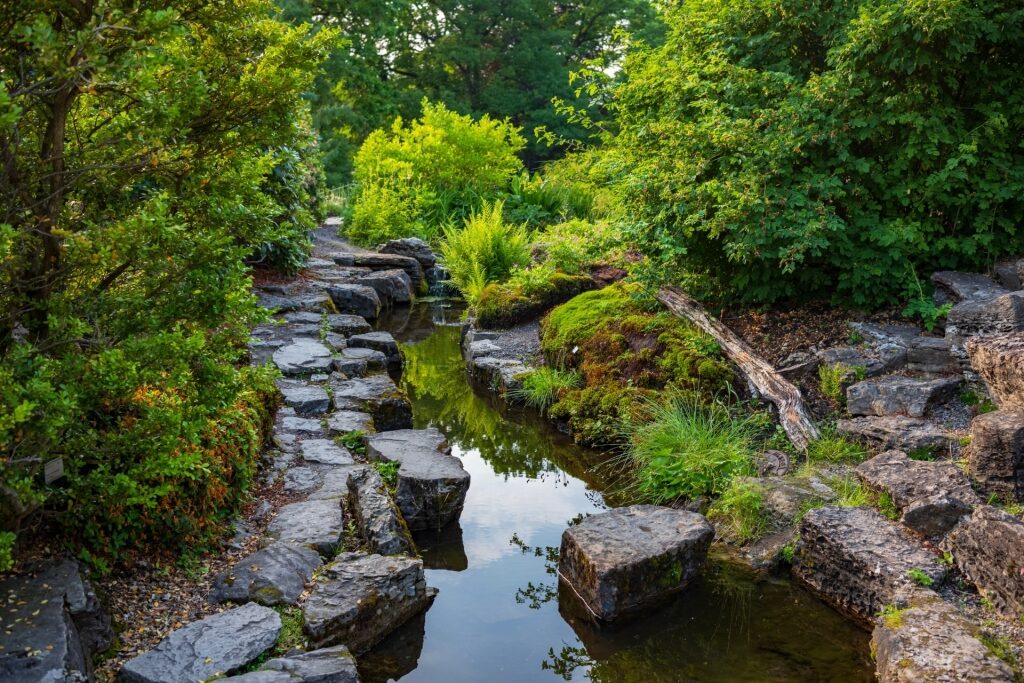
(770, 149)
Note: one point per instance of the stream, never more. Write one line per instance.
(497, 616)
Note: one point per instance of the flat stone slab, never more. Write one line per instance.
(931, 496)
(931, 355)
(360, 599)
(432, 484)
(341, 422)
(372, 358)
(500, 374)
(988, 547)
(329, 665)
(378, 341)
(307, 399)
(325, 452)
(303, 356)
(621, 561)
(999, 360)
(301, 479)
(897, 433)
(857, 560)
(357, 300)
(968, 286)
(276, 575)
(875, 361)
(377, 517)
(375, 261)
(894, 395)
(289, 423)
(336, 322)
(392, 286)
(378, 396)
(335, 486)
(411, 247)
(318, 524)
(305, 302)
(784, 499)
(219, 644)
(996, 454)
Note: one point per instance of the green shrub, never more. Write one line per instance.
(527, 293)
(7, 539)
(485, 250)
(542, 386)
(576, 245)
(688, 450)
(538, 201)
(740, 509)
(834, 379)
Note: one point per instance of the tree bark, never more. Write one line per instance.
(793, 415)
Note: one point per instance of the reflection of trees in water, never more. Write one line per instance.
(534, 595)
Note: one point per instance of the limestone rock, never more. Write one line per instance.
(1004, 313)
(329, 665)
(857, 560)
(371, 358)
(335, 486)
(996, 454)
(999, 359)
(894, 395)
(360, 599)
(931, 355)
(307, 399)
(342, 422)
(501, 374)
(306, 302)
(372, 261)
(931, 496)
(378, 396)
(432, 484)
(276, 575)
(481, 348)
(411, 247)
(314, 523)
(336, 322)
(392, 286)
(620, 561)
(219, 644)
(377, 517)
(292, 424)
(355, 299)
(875, 361)
(303, 357)
(301, 479)
(988, 548)
(783, 499)
(967, 286)
(897, 433)
(378, 341)
(325, 452)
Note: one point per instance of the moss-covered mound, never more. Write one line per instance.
(522, 299)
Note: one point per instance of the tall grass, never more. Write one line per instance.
(541, 387)
(485, 250)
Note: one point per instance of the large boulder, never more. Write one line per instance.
(988, 547)
(411, 247)
(303, 357)
(358, 300)
(360, 599)
(318, 524)
(931, 355)
(377, 395)
(392, 286)
(620, 561)
(276, 575)
(432, 484)
(377, 517)
(336, 322)
(999, 360)
(984, 317)
(895, 395)
(857, 560)
(307, 399)
(931, 496)
(378, 341)
(329, 665)
(374, 261)
(996, 455)
(892, 432)
(217, 645)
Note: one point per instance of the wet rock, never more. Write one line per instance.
(967, 286)
(244, 532)
(500, 374)
(325, 452)
(355, 299)
(329, 665)
(620, 561)
(219, 644)
(262, 351)
(897, 433)
(411, 247)
(999, 360)
(335, 486)
(996, 453)
(875, 361)
(378, 341)
(350, 366)
(359, 599)
(336, 322)
(773, 464)
(341, 422)
(930, 641)
(335, 341)
(392, 286)
(371, 358)
(306, 399)
(857, 560)
(276, 575)
(931, 496)
(301, 479)
(442, 548)
(894, 395)
(931, 355)
(988, 547)
(377, 517)
(307, 302)
(378, 396)
(411, 266)
(303, 357)
(314, 523)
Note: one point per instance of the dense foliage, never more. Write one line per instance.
(774, 149)
(148, 150)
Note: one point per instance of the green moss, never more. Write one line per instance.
(887, 507)
(525, 297)
(892, 615)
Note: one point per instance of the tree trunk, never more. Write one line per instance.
(785, 396)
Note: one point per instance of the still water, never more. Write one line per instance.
(497, 617)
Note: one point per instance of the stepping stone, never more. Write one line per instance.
(501, 374)
(432, 484)
(377, 517)
(1000, 362)
(988, 547)
(307, 302)
(483, 348)
(297, 425)
(411, 266)
(329, 665)
(325, 452)
(621, 561)
(303, 357)
(301, 479)
(378, 396)
(877, 361)
(378, 341)
(996, 454)
(276, 575)
(350, 367)
(411, 247)
(931, 496)
(262, 351)
(341, 422)
(897, 433)
(318, 524)
(931, 355)
(216, 645)
(358, 300)
(342, 324)
(304, 330)
(335, 341)
(360, 599)
(893, 395)
(857, 560)
(335, 486)
(392, 286)
(930, 641)
(354, 362)
(307, 399)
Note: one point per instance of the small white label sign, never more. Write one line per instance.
(53, 470)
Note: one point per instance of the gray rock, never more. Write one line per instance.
(931, 496)
(360, 599)
(341, 422)
(351, 367)
(220, 644)
(875, 361)
(355, 299)
(336, 322)
(392, 286)
(621, 561)
(377, 517)
(306, 399)
(783, 500)
(930, 641)
(857, 560)
(377, 341)
(1010, 273)
(411, 266)
(335, 341)
(897, 433)
(773, 463)
(276, 575)
(291, 424)
(432, 484)
(378, 396)
(329, 665)
(335, 486)
(373, 358)
(799, 365)
(967, 286)
(481, 348)
(1004, 313)
(999, 360)
(886, 334)
(301, 479)
(303, 357)
(988, 547)
(244, 532)
(307, 330)
(305, 302)
(325, 452)
(503, 375)
(263, 510)
(894, 395)
(411, 247)
(318, 524)
(931, 355)
(996, 454)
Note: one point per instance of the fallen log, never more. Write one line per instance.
(793, 415)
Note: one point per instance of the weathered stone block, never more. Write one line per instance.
(996, 454)
(897, 433)
(354, 299)
(999, 359)
(303, 357)
(895, 395)
(377, 516)
(307, 399)
(988, 548)
(276, 575)
(378, 396)
(314, 523)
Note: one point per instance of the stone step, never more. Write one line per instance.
(318, 524)
(357, 361)
(377, 395)
(988, 548)
(378, 341)
(303, 356)
(329, 665)
(393, 286)
(355, 299)
(892, 432)
(411, 247)
(346, 325)
(275, 575)
(318, 302)
(376, 515)
(376, 261)
(967, 286)
(325, 452)
(996, 454)
(307, 399)
(875, 361)
(895, 395)
(341, 422)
